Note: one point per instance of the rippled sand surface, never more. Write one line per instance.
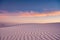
(30, 32)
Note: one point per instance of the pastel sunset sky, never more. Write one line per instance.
(30, 11)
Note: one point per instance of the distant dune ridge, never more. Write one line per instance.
(30, 24)
(30, 31)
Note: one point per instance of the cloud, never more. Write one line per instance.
(29, 14)
(30, 17)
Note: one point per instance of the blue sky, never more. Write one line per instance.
(29, 5)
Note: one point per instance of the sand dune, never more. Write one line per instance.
(31, 31)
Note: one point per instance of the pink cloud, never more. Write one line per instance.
(30, 14)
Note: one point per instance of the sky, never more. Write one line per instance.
(30, 11)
